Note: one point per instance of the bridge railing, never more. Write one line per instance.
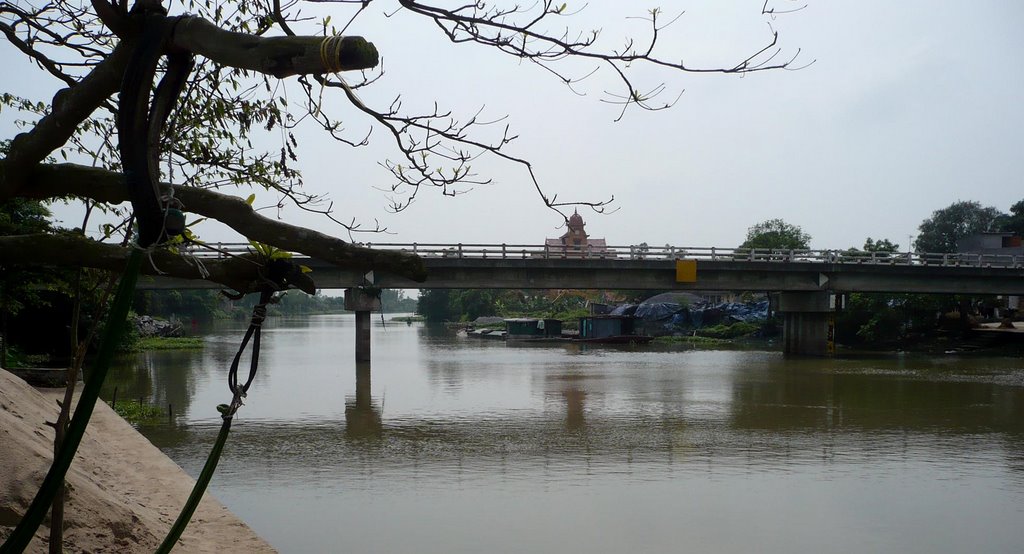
(668, 252)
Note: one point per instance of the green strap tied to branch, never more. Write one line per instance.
(227, 411)
(197, 491)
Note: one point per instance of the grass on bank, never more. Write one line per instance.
(17, 358)
(138, 412)
(735, 330)
(692, 340)
(166, 343)
(713, 335)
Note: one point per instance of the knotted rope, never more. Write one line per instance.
(330, 53)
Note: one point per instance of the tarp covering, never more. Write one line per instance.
(657, 311)
(625, 309)
(696, 315)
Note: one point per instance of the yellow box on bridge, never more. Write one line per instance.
(686, 271)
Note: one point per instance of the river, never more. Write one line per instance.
(449, 444)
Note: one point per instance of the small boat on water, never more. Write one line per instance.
(610, 329)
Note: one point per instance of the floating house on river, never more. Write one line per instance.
(532, 329)
(610, 329)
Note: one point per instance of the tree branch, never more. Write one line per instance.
(111, 16)
(70, 107)
(277, 56)
(61, 180)
(67, 250)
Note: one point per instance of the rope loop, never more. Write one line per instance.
(330, 53)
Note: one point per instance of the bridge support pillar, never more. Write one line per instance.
(808, 324)
(363, 302)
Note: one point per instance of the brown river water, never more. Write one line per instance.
(450, 445)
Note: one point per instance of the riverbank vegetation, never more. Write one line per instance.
(440, 305)
(136, 411)
(167, 343)
(211, 304)
(694, 340)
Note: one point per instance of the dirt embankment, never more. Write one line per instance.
(124, 493)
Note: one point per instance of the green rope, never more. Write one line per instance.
(112, 335)
(197, 491)
(227, 412)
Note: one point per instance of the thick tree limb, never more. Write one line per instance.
(111, 16)
(277, 56)
(59, 180)
(70, 107)
(70, 250)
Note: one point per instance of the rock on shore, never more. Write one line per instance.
(124, 493)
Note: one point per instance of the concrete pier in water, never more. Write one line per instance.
(808, 324)
(363, 302)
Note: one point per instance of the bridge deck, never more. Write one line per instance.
(642, 267)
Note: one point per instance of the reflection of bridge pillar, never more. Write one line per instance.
(363, 396)
(807, 322)
(362, 418)
(363, 302)
(574, 415)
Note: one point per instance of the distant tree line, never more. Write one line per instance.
(211, 304)
(938, 233)
(885, 319)
(437, 305)
(941, 231)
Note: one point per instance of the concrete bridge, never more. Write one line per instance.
(807, 280)
(508, 266)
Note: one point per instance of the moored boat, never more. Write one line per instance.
(610, 329)
(533, 329)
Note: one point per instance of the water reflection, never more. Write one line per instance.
(443, 415)
(362, 417)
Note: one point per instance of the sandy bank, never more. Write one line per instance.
(124, 492)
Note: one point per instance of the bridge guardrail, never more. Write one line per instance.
(667, 252)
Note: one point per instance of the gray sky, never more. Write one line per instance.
(909, 107)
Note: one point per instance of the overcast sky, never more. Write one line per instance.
(908, 107)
